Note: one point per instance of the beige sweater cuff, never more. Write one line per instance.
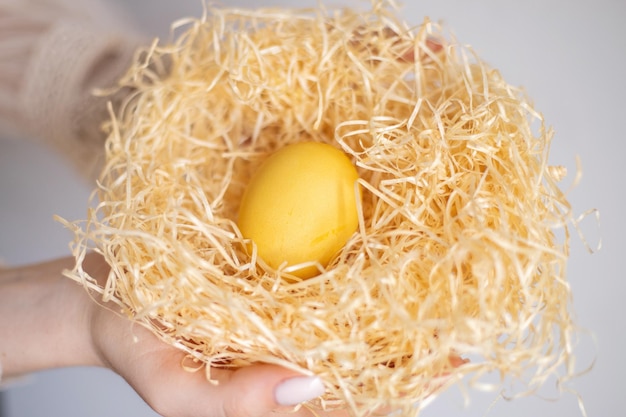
(57, 100)
(52, 58)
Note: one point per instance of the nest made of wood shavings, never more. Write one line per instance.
(457, 251)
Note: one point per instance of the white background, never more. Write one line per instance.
(571, 58)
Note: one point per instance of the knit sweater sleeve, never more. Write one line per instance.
(53, 55)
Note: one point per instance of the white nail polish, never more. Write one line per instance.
(298, 389)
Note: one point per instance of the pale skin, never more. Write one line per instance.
(48, 321)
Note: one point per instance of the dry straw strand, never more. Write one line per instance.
(456, 251)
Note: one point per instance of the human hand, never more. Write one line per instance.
(39, 307)
(154, 369)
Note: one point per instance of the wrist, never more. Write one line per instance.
(44, 319)
(101, 319)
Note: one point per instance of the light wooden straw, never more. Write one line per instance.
(456, 252)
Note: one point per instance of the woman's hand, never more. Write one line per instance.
(154, 370)
(48, 321)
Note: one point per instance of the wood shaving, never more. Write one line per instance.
(457, 250)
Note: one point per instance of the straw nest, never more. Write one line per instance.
(462, 241)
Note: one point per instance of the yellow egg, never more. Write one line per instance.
(301, 206)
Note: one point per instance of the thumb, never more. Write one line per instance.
(154, 369)
(257, 390)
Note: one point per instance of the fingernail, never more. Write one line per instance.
(298, 389)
